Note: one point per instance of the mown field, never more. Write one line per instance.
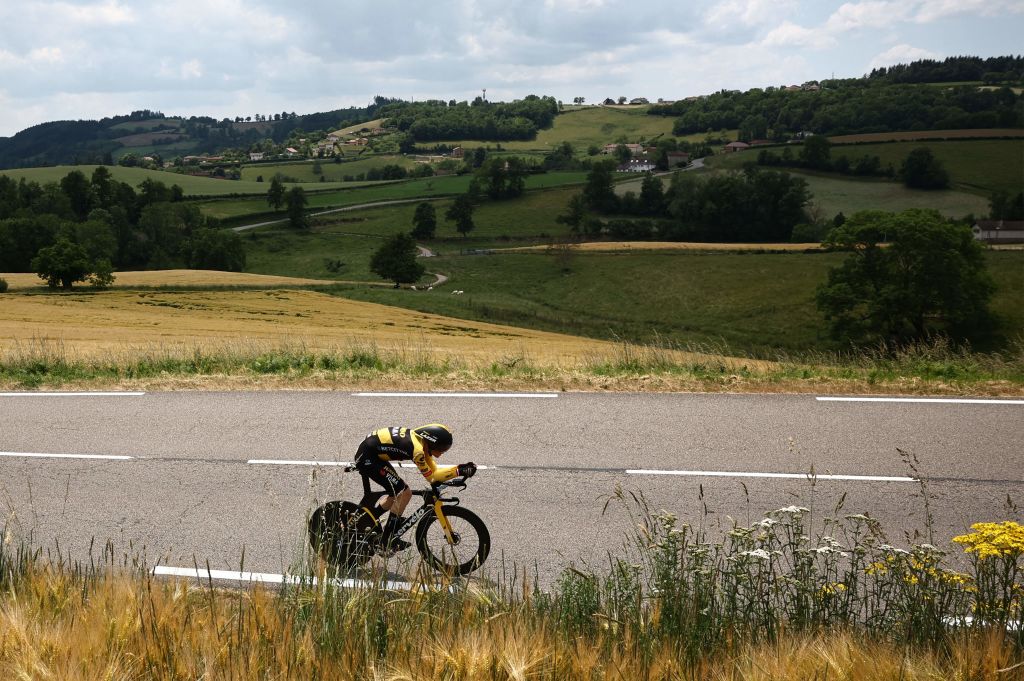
(331, 171)
(192, 186)
(588, 126)
(975, 166)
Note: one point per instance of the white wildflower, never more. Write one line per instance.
(759, 554)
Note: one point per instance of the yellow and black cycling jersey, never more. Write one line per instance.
(402, 444)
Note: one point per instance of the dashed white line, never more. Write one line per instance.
(268, 578)
(71, 394)
(935, 400)
(40, 455)
(533, 395)
(790, 476)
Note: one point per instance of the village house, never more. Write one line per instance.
(735, 146)
(256, 156)
(457, 152)
(999, 231)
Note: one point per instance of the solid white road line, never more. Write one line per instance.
(70, 394)
(266, 578)
(294, 462)
(791, 476)
(37, 455)
(542, 395)
(937, 400)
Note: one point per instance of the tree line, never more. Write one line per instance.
(98, 224)
(478, 120)
(861, 106)
(953, 70)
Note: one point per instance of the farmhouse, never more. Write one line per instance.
(256, 156)
(635, 149)
(999, 231)
(735, 146)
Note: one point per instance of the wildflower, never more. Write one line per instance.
(892, 549)
(766, 524)
(795, 511)
(759, 554)
(833, 589)
(994, 540)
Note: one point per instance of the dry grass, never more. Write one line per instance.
(595, 246)
(912, 135)
(25, 281)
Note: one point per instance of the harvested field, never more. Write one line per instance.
(597, 246)
(21, 281)
(912, 135)
(109, 323)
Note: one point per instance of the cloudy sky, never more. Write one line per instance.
(93, 58)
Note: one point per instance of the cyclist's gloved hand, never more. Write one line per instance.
(466, 470)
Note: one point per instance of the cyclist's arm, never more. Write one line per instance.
(430, 470)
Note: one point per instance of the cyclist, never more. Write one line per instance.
(421, 445)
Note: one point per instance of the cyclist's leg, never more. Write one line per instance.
(384, 474)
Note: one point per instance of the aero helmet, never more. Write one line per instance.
(437, 437)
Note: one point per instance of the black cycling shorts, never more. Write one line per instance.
(381, 472)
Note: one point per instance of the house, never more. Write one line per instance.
(457, 152)
(636, 165)
(999, 231)
(291, 151)
(256, 156)
(792, 88)
(677, 158)
(358, 142)
(735, 146)
(608, 101)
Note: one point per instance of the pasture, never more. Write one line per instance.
(333, 172)
(192, 185)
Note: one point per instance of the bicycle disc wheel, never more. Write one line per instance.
(468, 553)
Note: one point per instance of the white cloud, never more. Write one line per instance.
(109, 13)
(49, 55)
(901, 54)
(932, 10)
(872, 14)
(747, 12)
(790, 35)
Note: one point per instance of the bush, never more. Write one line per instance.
(3, 285)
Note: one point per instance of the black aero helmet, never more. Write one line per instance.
(437, 437)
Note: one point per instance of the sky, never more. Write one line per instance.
(82, 59)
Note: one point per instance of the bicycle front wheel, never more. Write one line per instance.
(469, 550)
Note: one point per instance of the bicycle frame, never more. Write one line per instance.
(432, 501)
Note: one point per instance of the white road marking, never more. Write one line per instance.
(936, 400)
(295, 462)
(792, 476)
(542, 395)
(268, 578)
(70, 394)
(38, 455)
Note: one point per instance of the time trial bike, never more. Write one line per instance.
(451, 539)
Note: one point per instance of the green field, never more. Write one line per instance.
(976, 166)
(150, 124)
(431, 187)
(588, 126)
(752, 303)
(193, 186)
(333, 172)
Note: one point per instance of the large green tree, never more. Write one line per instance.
(424, 221)
(921, 170)
(63, 263)
(275, 195)
(296, 200)
(461, 213)
(396, 260)
(909, 276)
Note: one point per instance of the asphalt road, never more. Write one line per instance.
(185, 491)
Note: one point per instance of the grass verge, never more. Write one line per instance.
(784, 598)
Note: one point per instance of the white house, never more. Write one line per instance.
(256, 156)
(999, 231)
(637, 165)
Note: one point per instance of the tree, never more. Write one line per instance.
(599, 191)
(396, 260)
(921, 170)
(296, 200)
(1003, 206)
(461, 213)
(652, 195)
(216, 249)
(424, 221)
(574, 214)
(816, 152)
(622, 99)
(275, 195)
(623, 154)
(930, 279)
(63, 263)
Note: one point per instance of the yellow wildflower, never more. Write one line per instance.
(994, 540)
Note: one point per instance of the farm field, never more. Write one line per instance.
(747, 302)
(27, 281)
(587, 126)
(106, 323)
(192, 186)
(912, 135)
(976, 166)
(152, 123)
(333, 172)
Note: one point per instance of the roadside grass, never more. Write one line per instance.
(787, 597)
(975, 166)
(191, 185)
